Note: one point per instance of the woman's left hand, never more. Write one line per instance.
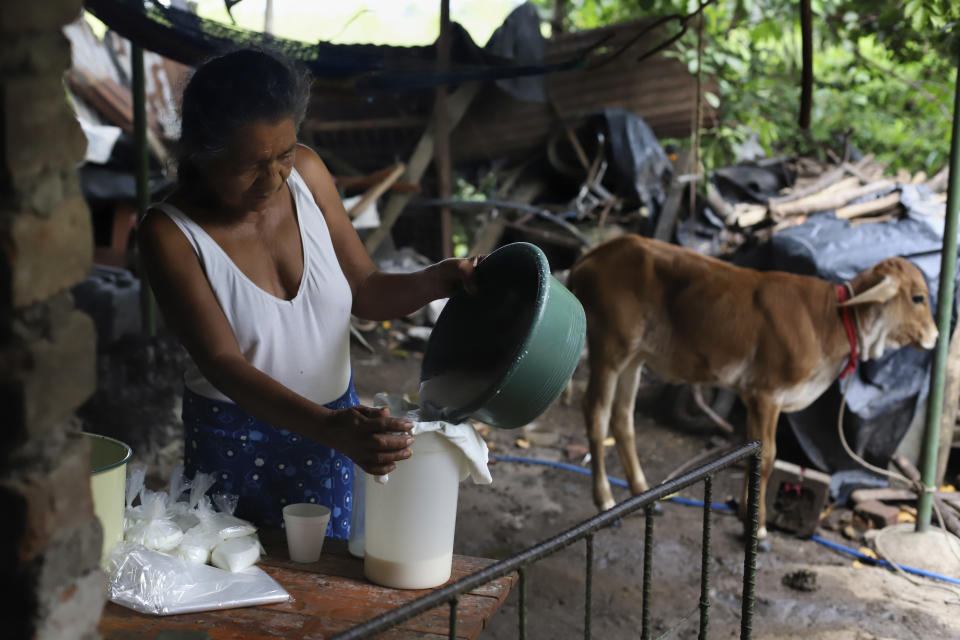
(454, 274)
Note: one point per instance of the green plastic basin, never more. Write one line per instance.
(503, 354)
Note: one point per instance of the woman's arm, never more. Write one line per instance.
(376, 295)
(192, 311)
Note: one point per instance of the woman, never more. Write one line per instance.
(257, 268)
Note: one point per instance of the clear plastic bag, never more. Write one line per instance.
(226, 524)
(236, 554)
(154, 529)
(156, 583)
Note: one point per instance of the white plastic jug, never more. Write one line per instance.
(410, 520)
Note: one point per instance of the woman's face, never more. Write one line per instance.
(256, 165)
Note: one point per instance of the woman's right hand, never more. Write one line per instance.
(370, 437)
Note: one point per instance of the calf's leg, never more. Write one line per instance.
(762, 416)
(597, 403)
(622, 424)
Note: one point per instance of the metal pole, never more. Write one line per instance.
(948, 268)
(147, 304)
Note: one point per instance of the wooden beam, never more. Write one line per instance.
(419, 161)
(318, 125)
(671, 205)
(375, 192)
(869, 207)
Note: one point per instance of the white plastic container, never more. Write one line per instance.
(410, 520)
(357, 516)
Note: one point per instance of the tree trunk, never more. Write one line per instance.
(806, 82)
(558, 20)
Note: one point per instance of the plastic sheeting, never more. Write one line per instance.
(638, 164)
(519, 39)
(886, 394)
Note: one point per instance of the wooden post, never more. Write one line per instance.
(441, 140)
(148, 305)
(558, 19)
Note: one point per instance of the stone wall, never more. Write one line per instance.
(50, 541)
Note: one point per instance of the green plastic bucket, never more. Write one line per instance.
(503, 354)
(108, 483)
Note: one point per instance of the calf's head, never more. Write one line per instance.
(893, 305)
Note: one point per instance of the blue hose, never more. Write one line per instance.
(882, 563)
(720, 506)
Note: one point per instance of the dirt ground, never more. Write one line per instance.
(528, 503)
(138, 401)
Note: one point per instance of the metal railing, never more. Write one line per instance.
(451, 593)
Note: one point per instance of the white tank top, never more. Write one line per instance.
(303, 343)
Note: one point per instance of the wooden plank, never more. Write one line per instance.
(488, 238)
(330, 596)
(368, 124)
(356, 602)
(821, 183)
(869, 207)
(419, 161)
(375, 192)
(833, 200)
(671, 206)
(256, 623)
(898, 495)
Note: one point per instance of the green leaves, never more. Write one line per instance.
(884, 73)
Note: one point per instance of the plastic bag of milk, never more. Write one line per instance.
(236, 554)
(135, 477)
(228, 525)
(180, 511)
(155, 529)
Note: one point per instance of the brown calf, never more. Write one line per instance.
(776, 339)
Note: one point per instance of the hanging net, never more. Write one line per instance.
(190, 39)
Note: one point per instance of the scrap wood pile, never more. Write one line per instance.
(863, 191)
(876, 508)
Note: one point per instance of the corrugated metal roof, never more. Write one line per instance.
(659, 89)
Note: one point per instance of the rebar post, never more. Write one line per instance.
(750, 547)
(588, 604)
(454, 602)
(523, 602)
(647, 571)
(705, 558)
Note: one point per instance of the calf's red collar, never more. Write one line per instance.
(846, 314)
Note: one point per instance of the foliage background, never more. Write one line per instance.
(884, 73)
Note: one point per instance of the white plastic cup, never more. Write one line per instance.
(306, 526)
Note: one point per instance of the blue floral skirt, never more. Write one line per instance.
(267, 467)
